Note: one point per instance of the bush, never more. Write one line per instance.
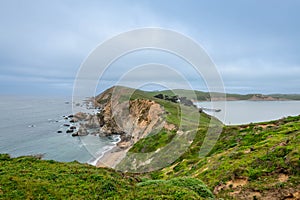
(192, 184)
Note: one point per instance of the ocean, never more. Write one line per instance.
(243, 112)
(29, 125)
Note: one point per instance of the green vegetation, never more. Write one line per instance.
(153, 142)
(253, 159)
(162, 146)
(193, 184)
(258, 153)
(31, 178)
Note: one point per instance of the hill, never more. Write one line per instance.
(205, 96)
(252, 161)
(135, 115)
(31, 178)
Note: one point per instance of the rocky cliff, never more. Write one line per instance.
(131, 119)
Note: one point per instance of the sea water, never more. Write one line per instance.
(243, 112)
(29, 125)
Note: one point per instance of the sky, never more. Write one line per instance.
(254, 44)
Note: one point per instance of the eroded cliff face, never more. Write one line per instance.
(132, 119)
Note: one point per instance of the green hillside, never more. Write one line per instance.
(259, 159)
(253, 161)
(31, 178)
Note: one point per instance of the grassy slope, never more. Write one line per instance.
(184, 116)
(30, 178)
(258, 153)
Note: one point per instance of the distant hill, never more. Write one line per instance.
(205, 96)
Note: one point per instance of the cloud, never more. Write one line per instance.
(254, 47)
(59, 34)
(260, 77)
(241, 70)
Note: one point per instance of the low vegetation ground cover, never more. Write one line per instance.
(260, 159)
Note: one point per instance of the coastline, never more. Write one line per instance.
(112, 157)
(98, 159)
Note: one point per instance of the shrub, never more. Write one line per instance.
(192, 184)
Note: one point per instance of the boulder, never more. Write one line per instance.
(69, 131)
(73, 120)
(75, 134)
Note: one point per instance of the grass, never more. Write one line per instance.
(249, 151)
(193, 184)
(257, 153)
(31, 178)
(185, 118)
(164, 146)
(153, 142)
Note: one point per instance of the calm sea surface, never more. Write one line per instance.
(242, 112)
(29, 125)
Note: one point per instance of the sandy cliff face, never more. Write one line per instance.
(133, 119)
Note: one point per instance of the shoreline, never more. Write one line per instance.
(95, 161)
(112, 157)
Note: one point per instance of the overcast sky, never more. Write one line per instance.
(255, 44)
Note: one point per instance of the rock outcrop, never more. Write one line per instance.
(132, 119)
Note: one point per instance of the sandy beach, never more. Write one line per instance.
(112, 157)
